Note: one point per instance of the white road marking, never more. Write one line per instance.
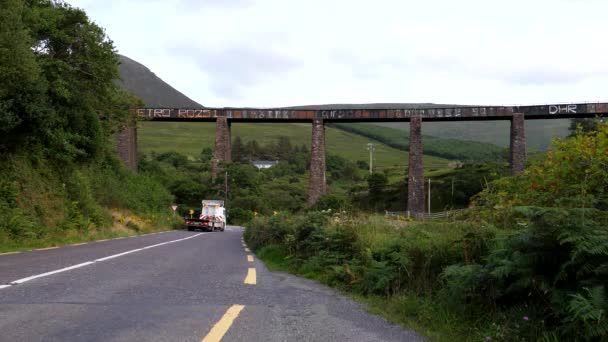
(23, 280)
(117, 255)
(46, 249)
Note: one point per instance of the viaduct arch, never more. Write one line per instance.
(223, 117)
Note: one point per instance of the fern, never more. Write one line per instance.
(590, 312)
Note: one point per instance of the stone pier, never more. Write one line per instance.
(127, 146)
(222, 151)
(415, 184)
(518, 143)
(317, 186)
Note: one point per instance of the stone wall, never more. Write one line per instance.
(415, 185)
(317, 185)
(127, 147)
(518, 143)
(222, 151)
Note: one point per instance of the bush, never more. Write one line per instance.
(240, 216)
(330, 201)
(557, 260)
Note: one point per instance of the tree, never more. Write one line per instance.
(22, 90)
(207, 154)
(585, 125)
(377, 181)
(253, 149)
(58, 71)
(284, 148)
(238, 151)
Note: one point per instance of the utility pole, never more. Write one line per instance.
(371, 149)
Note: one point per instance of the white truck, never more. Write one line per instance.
(213, 217)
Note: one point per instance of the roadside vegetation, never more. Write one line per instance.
(528, 263)
(60, 178)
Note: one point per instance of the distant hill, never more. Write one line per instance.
(155, 92)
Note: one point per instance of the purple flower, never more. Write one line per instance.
(526, 318)
(488, 338)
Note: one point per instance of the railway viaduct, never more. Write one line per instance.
(223, 117)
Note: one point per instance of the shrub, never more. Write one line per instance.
(240, 216)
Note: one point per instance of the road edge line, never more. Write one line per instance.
(220, 328)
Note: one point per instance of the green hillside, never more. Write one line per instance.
(469, 151)
(538, 132)
(191, 138)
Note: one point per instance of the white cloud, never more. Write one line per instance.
(275, 53)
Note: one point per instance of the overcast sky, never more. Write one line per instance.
(295, 52)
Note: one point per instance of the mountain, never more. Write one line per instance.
(155, 92)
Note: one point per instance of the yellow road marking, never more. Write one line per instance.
(78, 244)
(250, 258)
(7, 253)
(221, 327)
(102, 240)
(45, 249)
(247, 250)
(250, 279)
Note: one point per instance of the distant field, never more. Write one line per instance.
(191, 138)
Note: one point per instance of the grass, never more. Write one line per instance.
(125, 224)
(191, 138)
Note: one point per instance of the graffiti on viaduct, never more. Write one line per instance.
(127, 141)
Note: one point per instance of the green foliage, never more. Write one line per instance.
(22, 100)
(553, 258)
(454, 189)
(574, 175)
(240, 216)
(173, 158)
(60, 110)
(332, 202)
(58, 70)
(583, 126)
(377, 181)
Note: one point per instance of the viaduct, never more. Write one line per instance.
(223, 117)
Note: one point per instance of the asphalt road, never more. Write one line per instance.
(175, 286)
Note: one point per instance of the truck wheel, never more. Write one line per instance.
(190, 229)
(223, 227)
